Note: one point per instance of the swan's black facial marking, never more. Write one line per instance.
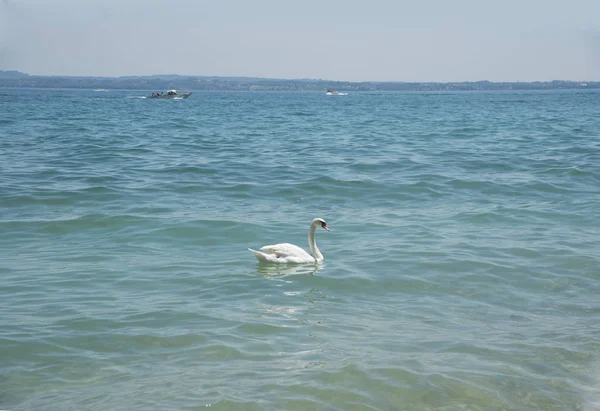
(324, 225)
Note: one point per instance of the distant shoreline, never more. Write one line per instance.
(180, 82)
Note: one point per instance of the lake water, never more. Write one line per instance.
(462, 271)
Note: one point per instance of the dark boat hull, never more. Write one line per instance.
(172, 96)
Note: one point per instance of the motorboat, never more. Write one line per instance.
(170, 94)
(331, 92)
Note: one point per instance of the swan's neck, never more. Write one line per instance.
(312, 243)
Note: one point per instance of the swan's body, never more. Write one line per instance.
(286, 253)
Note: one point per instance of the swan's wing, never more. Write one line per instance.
(285, 250)
(283, 254)
(260, 256)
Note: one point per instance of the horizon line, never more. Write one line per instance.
(302, 79)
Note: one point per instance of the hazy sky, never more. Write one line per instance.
(375, 40)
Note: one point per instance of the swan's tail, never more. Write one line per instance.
(260, 256)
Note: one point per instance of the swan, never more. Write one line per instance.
(290, 253)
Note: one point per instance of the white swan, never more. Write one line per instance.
(290, 253)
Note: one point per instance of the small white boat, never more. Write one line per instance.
(331, 92)
(170, 94)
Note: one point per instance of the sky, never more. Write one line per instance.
(345, 40)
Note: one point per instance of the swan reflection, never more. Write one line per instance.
(283, 270)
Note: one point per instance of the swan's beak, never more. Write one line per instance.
(325, 227)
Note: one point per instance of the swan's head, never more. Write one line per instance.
(321, 222)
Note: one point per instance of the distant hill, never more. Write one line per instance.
(12, 74)
(162, 82)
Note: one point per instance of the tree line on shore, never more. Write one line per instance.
(179, 82)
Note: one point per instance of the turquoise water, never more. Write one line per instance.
(462, 271)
